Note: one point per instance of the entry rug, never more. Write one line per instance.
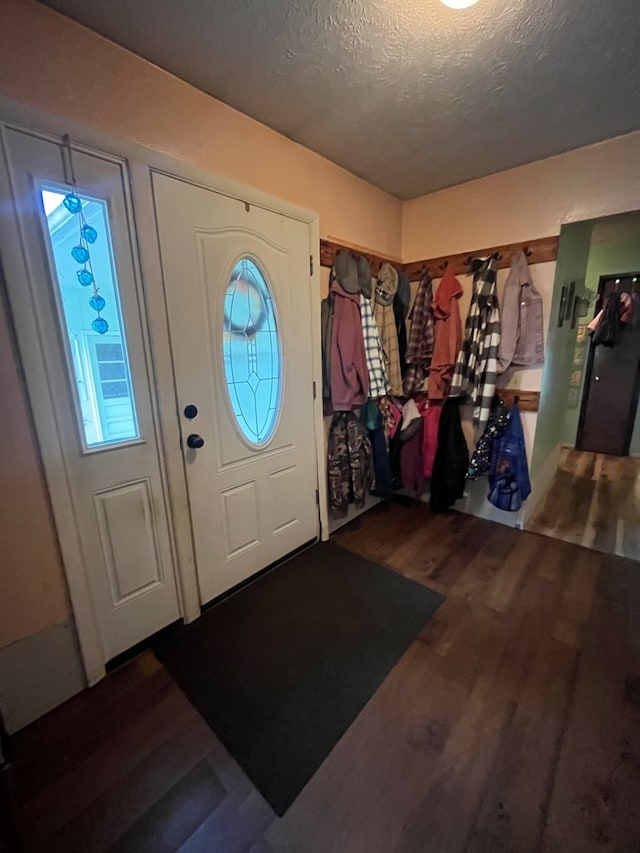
(281, 668)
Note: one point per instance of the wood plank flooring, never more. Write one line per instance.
(594, 501)
(510, 725)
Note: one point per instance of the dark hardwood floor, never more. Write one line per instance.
(511, 724)
(594, 501)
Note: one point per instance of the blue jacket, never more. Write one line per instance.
(509, 483)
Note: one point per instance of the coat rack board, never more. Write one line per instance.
(528, 401)
(537, 252)
(330, 248)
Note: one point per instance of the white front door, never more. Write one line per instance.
(82, 339)
(239, 300)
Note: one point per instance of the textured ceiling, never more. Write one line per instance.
(408, 94)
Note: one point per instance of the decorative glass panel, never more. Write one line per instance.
(97, 344)
(251, 348)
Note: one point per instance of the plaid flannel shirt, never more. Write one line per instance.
(378, 382)
(421, 338)
(476, 366)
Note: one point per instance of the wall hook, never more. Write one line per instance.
(467, 261)
(498, 256)
(444, 265)
(527, 251)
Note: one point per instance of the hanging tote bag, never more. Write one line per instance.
(509, 483)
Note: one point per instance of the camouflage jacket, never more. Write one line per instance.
(350, 463)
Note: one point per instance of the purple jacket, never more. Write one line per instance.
(349, 375)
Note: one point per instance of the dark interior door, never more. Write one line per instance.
(612, 384)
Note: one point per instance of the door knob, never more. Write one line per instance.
(195, 441)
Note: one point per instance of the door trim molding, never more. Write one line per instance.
(315, 294)
(139, 163)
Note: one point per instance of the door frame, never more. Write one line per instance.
(138, 163)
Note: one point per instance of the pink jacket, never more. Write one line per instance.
(431, 419)
(349, 376)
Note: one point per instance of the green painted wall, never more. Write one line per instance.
(573, 256)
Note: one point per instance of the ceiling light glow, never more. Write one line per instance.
(459, 4)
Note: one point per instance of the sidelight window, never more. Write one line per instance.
(90, 308)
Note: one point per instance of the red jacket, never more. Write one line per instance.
(448, 335)
(349, 376)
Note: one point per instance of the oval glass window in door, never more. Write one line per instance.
(251, 351)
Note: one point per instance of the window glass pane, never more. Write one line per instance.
(109, 352)
(110, 390)
(107, 406)
(251, 350)
(112, 370)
